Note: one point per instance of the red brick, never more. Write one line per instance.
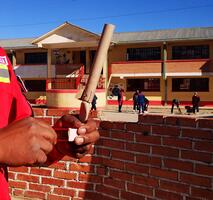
(174, 186)
(58, 165)
(146, 191)
(18, 169)
(80, 185)
(200, 193)
(166, 130)
(90, 178)
(56, 197)
(113, 144)
(178, 164)
(176, 142)
(113, 163)
(29, 178)
(204, 169)
(145, 180)
(135, 168)
(136, 147)
(19, 193)
(52, 181)
(126, 136)
(107, 190)
(39, 171)
(65, 175)
(57, 112)
(111, 182)
(121, 155)
(148, 160)
(195, 155)
(104, 133)
(41, 188)
(64, 191)
(121, 175)
(148, 139)
(165, 151)
(167, 195)
(81, 168)
(141, 128)
(204, 146)
(11, 175)
(103, 152)
(205, 123)
(180, 121)
(151, 119)
(33, 194)
(39, 112)
(112, 125)
(163, 173)
(197, 134)
(86, 159)
(195, 180)
(18, 184)
(132, 196)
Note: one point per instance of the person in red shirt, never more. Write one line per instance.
(26, 141)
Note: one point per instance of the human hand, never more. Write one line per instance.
(26, 142)
(87, 136)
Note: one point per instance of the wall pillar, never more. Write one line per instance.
(164, 73)
(49, 65)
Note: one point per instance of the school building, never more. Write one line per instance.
(164, 64)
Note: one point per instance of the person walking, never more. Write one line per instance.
(195, 102)
(141, 102)
(135, 100)
(120, 99)
(175, 102)
(94, 101)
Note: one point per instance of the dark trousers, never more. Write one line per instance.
(93, 107)
(141, 108)
(120, 103)
(177, 104)
(135, 105)
(195, 108)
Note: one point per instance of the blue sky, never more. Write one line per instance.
(32, 18)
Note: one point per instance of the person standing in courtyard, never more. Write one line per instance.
(135, 100)
(141, 102)
(195, 102)
(94, 102)
(175, 102)
(120, 99)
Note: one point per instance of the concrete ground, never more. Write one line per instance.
(110, 113)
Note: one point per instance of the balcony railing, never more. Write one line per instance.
(71, 83)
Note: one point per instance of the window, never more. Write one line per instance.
(35, 58)
(149, 53)
(150, 84)
(190, 52)
(190, 84)
(35, 85)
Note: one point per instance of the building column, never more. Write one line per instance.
(14, 58)
(164, 73)
(87, 67)
(49, 70)
(105, 72)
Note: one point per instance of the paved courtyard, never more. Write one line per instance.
(110, 113)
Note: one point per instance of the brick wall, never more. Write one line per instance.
(157, 158)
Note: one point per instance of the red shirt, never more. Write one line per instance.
(13, 106)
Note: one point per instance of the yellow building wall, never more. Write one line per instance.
(187, 96)
(70, 100)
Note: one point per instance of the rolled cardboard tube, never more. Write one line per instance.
(94, 77)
